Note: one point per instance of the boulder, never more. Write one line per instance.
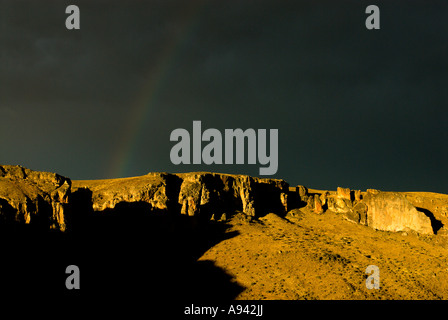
(391, 211)
(351, 216)
(318, 205)
(339, 205)
(357, 213)
(295, 214)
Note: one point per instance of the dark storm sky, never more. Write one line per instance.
(354, 108)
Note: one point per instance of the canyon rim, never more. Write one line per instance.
(212, 236)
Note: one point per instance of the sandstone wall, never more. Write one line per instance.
(45, 199)
(32, 197)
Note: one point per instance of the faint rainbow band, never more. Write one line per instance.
(156, 78)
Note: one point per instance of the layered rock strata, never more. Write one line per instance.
(45, 199)
(387, 211)
(32, 197)
(191, 194)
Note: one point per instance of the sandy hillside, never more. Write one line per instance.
(325, 256)
(219, 236)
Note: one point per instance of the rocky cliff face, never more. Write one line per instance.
(107, 194)
(387, 211)
(193, 194)
(391, 211)
(35, 198)
(44, 199)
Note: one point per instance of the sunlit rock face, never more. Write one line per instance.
(45, 199)
(32, 197)
(391, 211)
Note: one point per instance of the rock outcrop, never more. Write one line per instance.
(387, 211)
(192, 194)
(32, 197)
(209, 193)
(391, 211)
(344, 193)
(435, 204)
(150, 189)
(45, 199)
(318, 205)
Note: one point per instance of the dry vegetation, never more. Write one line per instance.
(311, 256)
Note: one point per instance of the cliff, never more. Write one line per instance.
(234, 236)
(36, 198)
(47, 199)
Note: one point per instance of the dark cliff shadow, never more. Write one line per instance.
(31, 260)
(219, 203)
(134, 249)
(435, 224)
(267, 200)
(130, 253)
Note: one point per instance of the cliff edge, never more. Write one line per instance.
(47, 199)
